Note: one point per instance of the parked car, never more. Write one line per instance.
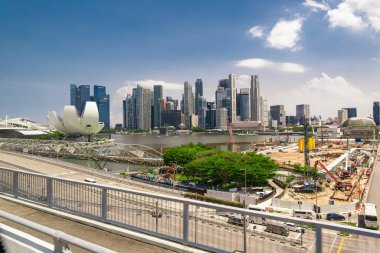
(90, 180)
(294, 227)
(335, 216)
(258, 220)
(277, 228)
(303, 214)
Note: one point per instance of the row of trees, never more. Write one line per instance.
(225, 169)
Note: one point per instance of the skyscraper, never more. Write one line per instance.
(143, 108)
(224, 83)
(202, 108)
(221, 118)
(245, 112)
(188, 103)
(198, 93)
(376, 112)
(264, 112)
(220, 95)
(157, 103)
(255, 98)
(128, 112)
(278, 113)
(351, 112)
(103, 101)
(81, 94)
(302, 113)
(232, 95)
(342, 116)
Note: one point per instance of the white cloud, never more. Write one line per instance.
(344, 16)
(316, 6)
(256, 31)
(375, 59)
(356, 14)
(170, 89)
(325, 95)
(257, 63)
(285, 34)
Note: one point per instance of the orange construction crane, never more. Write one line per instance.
(338, 184)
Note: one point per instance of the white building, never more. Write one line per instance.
(342, 116)
(221, 118)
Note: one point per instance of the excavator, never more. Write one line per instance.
(167, 171)
(340, 185)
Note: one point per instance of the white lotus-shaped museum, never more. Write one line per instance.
(72, 123)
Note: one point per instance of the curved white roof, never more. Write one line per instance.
(72, 123)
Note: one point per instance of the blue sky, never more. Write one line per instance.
(325, 53)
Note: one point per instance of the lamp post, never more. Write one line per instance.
(245, 180)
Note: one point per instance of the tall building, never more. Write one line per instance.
(143, 108)
(291, 120)
(202, 108)
(103, 101)
(157, 103)
(171, 118)
(278, 114)
(255, 98)
(232, 95)
(302, 113)
(342, 116)
(81, 94)
(264, 113)
(224, 83)
(220, 95)
(128, 112)
(221, 118)
(188, 103)
(376, 112)
(351, 112)
(211, 115)
(244, 97)
(198, 93)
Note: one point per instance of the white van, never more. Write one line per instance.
(90, 180)
(256, 208)
(303, 214)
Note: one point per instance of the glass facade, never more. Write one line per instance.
(376, 112)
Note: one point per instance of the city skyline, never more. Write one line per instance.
(286, 44)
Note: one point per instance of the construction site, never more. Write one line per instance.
(338, 170)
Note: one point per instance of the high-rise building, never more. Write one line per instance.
(220, 95)
(224, 83)
(232, 95)
(221, 118)
(81, 94)
(143, 108)
(255, 98)
(202, 108)
(291, 120)
(264, 112)
(103, 101)
(157, 103)
(171, 118)
(198, 93)
(278, 114)
(245, 112)
(302, 113)
(351, 112)
(188, 103)
(376, 112)
(342, 116)
(128, 112)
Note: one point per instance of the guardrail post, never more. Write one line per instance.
(15, 184)
(318, 241)
(185, 223)
(49, 191)
(58, 246)
(104, 204)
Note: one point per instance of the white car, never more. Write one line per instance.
(293, 227)
(90, 180)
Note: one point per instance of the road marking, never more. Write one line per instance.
(332, 244)
(341, 245)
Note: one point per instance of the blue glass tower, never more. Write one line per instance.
(103, 102)
(376, 112)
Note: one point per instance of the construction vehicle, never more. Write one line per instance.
(340, 185)
(165, 171)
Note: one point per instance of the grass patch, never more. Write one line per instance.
(352, 224)
(213, 200)
(344, 233)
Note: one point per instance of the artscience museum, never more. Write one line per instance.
(74, 124)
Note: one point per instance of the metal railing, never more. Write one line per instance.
(61, 240)
(189, 222)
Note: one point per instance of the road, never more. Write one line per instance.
(208, 229)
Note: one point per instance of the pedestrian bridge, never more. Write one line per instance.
(100, 151)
